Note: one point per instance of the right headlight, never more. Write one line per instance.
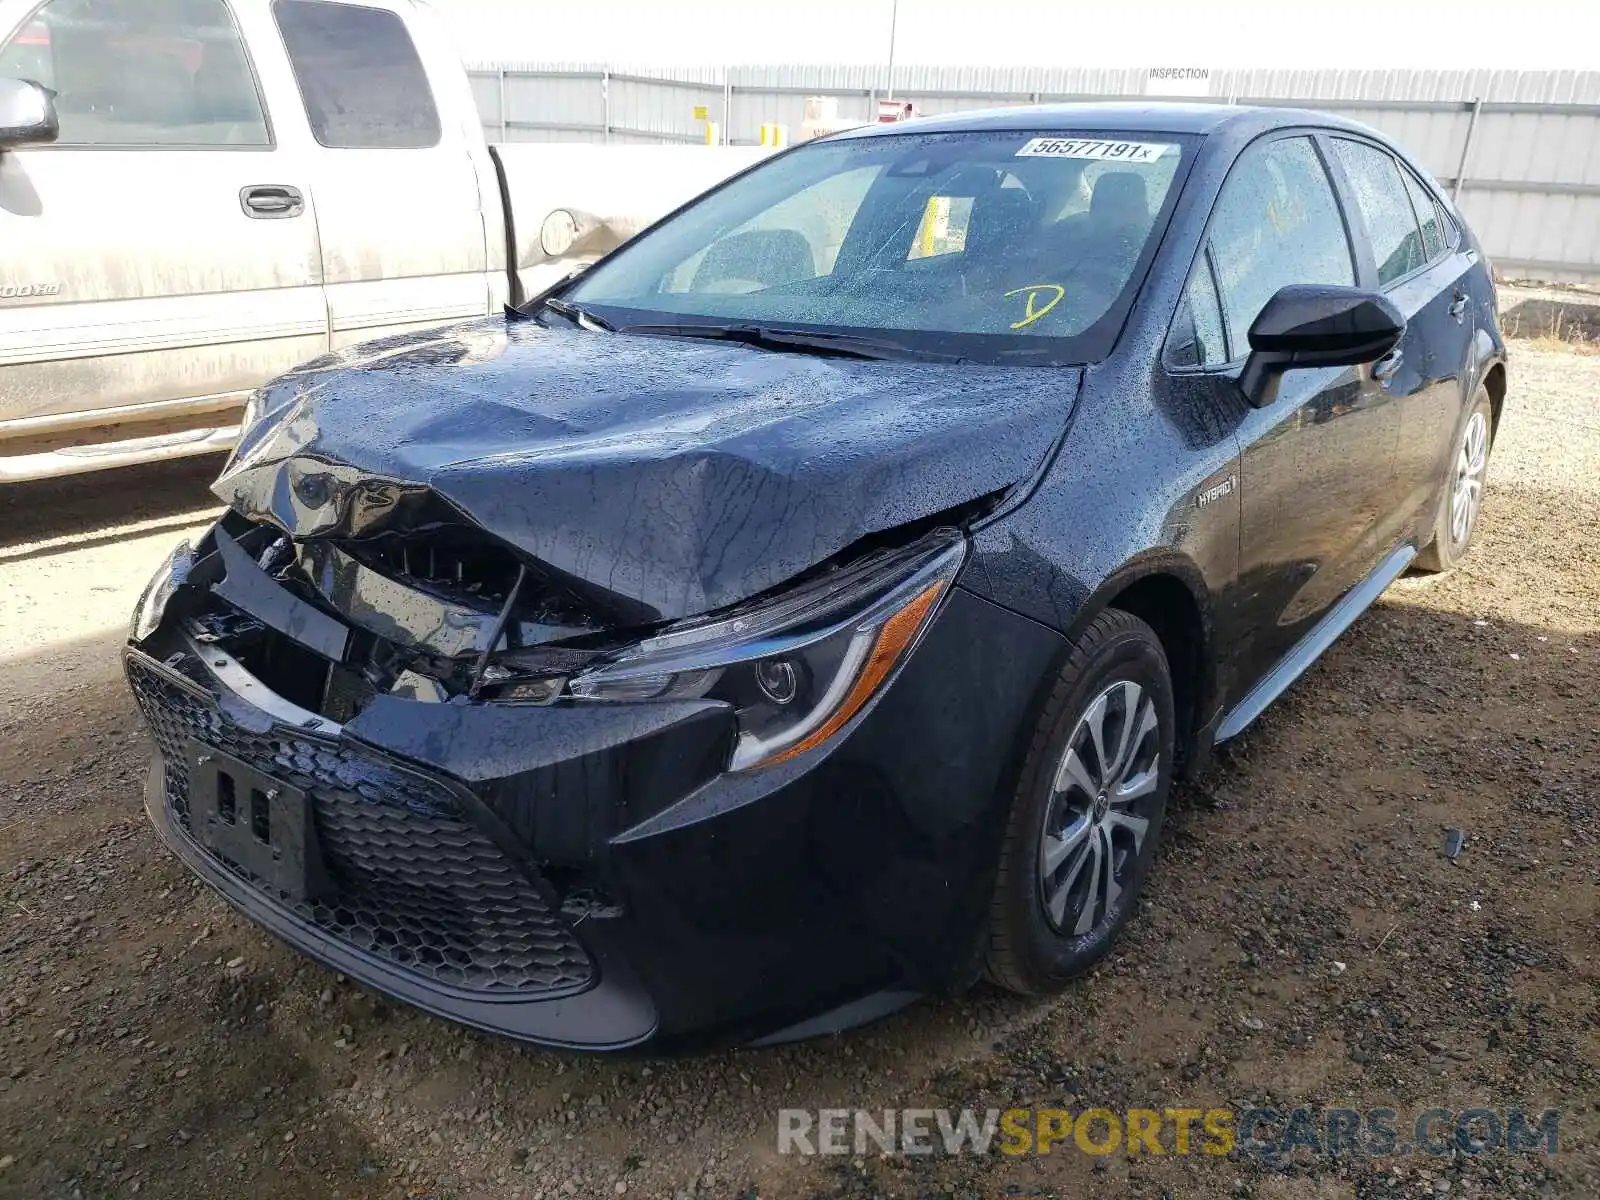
(797, 668)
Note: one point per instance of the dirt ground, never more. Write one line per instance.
(1303, 942)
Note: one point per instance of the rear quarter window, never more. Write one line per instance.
(1428, 214)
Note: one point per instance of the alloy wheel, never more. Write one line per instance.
(1467, 494)
(1099, 810)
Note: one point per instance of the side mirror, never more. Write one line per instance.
(27, 114)
(1316, 325)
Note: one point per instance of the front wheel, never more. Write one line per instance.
(1458, 509)
(1088, 809)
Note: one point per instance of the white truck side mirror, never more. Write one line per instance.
(27, 114)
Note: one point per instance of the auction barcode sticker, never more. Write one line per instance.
(1136, 152)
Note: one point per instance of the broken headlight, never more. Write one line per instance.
(797, 668)
(152, 605)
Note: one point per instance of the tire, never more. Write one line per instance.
(1462, 498)
(1039, 935)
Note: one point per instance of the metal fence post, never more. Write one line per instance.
(894, 22)
(605, 105)
(727, 107)
(505, 123)
(1466, 150)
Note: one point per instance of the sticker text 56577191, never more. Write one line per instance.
(1133, 152)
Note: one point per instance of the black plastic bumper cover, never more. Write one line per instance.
(613, 1014)
(427, 906)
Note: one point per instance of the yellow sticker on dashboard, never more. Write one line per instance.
(1031, 311)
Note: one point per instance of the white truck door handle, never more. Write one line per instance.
(269, 201)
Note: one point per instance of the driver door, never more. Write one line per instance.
(1316, 465)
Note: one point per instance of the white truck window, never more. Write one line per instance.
(363, 85)
(142, 73)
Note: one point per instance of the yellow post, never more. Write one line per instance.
(711, 133)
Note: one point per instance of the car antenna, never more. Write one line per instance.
(499, 630)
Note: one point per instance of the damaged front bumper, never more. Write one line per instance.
(420, 902)
(579, 874)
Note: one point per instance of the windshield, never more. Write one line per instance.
(991, 246)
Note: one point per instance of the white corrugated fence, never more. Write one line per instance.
(1519, 150)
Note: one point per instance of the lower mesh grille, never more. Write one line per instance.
(413, 883)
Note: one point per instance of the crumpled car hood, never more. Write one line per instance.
(676, 475)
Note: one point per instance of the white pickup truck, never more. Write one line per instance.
(197, 195)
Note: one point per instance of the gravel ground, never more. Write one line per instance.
(1304, 941)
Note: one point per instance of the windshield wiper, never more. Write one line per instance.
(804, 341)
(577, 313)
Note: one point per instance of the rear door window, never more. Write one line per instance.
(141, 73)
(1380, 194)
(362, 82)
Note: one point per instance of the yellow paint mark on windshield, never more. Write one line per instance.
(1031, 312)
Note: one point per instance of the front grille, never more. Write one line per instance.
(412, 882)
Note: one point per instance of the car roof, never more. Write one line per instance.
(1117, 116)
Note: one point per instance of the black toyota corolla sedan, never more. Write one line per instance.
(809, 606)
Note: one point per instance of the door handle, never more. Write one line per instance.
(1458, 307)
(1384, 369)
(268, 201)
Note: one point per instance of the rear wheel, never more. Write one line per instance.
(1088, 810)
(1463, 499)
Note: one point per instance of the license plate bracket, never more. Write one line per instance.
(259, 823)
